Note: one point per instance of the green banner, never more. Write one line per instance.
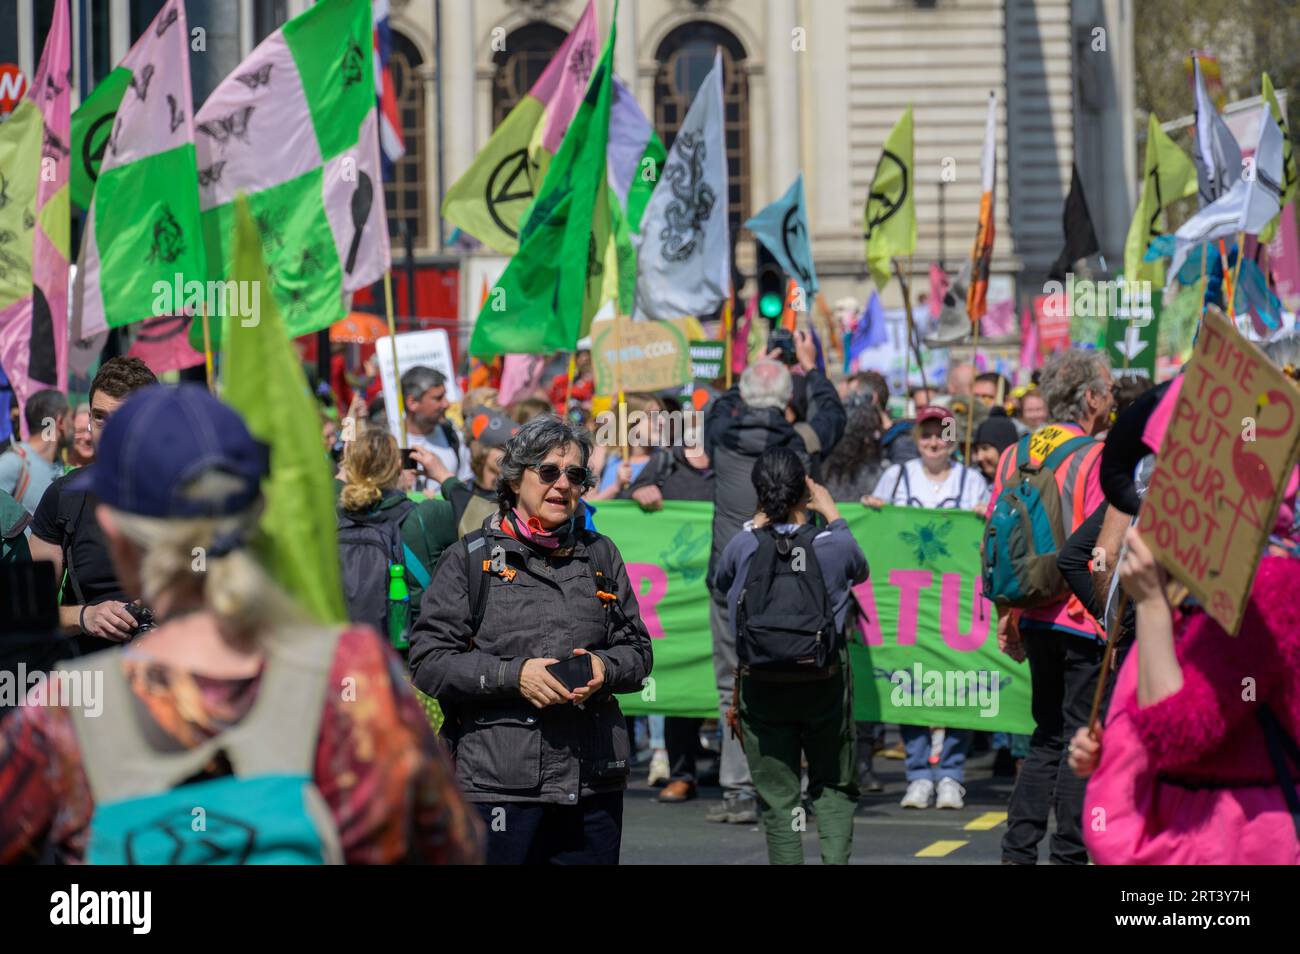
(925, 649)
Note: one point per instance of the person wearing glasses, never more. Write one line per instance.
(529, 627)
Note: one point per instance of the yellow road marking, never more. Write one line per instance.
(940, 849)
(987, 821)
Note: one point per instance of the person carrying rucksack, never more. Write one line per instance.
(1046, 485)
(227, 734)
(388, 543)
(789, 590)
(529, 629)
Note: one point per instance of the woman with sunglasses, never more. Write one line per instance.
(528, 628)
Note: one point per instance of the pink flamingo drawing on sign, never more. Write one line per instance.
(1257, 487)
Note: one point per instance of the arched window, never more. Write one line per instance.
(405, 194)
(685, 58)
(521, 64)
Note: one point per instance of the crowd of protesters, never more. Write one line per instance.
(515, 621)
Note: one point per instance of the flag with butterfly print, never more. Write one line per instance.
(295, 127)
(34, 160)
(142, 229)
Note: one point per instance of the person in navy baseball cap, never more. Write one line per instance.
(159, 444)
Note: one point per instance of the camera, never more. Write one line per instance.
(144, 619)
(782, 339)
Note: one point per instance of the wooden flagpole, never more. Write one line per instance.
(728, 322)
(392, 342)
(207, 347)
(970, 399)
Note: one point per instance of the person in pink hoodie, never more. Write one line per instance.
(1201, 786)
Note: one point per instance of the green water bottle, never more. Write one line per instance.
(399, 606)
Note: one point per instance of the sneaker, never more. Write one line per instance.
(680, 790)
(736, 809)
(920, 791)
(895, 751)
(867, 780)
(951, 794)
(659, 773)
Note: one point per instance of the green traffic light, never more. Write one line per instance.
(770, 305)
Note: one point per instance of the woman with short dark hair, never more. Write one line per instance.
(527, 630)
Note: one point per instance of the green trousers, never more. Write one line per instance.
(780, 722)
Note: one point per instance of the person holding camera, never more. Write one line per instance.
(741, 424)
(64, 530)
(528, 629)
(789, 592)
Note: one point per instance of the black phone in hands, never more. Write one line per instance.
(573, 673)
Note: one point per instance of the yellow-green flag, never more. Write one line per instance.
(1290, 175)
(263, 380)
(889, 223)
(1169, 175)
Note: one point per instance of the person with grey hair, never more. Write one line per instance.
(528, 628)
(1062, 641)
(753, 417)
(424, 391)
(30, 466)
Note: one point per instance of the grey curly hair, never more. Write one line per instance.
(529, 447)
(1066, 379)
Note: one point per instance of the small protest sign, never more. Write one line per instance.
(650, 356)
(430, 349)
(706, 360)
(1232, 440)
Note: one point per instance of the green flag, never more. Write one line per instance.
(889, 222)
(1290, 176)
(263, 380)
(92, 124)
(546, 297)
(1169, 175)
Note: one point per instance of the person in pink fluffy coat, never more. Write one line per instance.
(1197, 763)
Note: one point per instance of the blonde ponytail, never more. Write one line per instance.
(371, 465)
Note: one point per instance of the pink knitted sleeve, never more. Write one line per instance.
(1181, 729)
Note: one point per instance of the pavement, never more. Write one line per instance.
(884, 833)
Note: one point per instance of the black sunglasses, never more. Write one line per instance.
(550, 473)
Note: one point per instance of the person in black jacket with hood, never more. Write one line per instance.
(743, 423)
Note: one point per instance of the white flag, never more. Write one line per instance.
(684, 255)
(1217, 155)
(1252, 202)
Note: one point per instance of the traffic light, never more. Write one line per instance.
(771, 284)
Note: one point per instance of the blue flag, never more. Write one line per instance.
(782, 227)
(869, 332)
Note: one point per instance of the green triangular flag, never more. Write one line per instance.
(263, 380)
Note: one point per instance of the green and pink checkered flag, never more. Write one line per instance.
(143, 230)
(295, 127)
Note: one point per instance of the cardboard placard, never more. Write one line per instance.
(432, 349)
(1233, 438)
(651, 356)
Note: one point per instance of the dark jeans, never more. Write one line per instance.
(529, 833)
(1064, 670)
(682, 738)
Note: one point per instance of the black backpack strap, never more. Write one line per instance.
(453, 441)
(600, 561)
(1280, 746)
(474, 542)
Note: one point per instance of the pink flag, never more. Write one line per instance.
(564, 83)
(521, 374)
(1029, 358)
(938, 288)
(740, 337)
(34, 163)
(1000, 319)
(164, 344)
